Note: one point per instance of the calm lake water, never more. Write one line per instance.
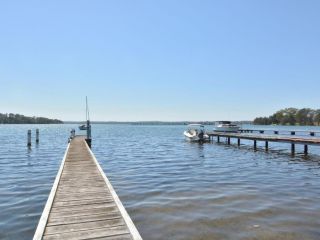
(171, 188)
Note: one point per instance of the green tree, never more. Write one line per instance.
(316, 117)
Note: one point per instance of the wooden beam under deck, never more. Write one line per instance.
(292, 139)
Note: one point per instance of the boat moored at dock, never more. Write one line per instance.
(83, 127)
(226, 126)
(196, 133)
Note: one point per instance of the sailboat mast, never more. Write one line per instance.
(86, 108)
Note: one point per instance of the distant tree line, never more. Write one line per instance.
(291, 116)
(10, 118)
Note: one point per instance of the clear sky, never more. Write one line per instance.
(159, 60)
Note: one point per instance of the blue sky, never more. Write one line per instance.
(159, 60)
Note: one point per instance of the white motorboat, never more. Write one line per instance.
(226, 126)
(83, 127)
(196, 133)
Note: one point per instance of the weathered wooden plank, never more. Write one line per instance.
(118, 237)
(82, 212)
(86, 198)
(65, 197)
(89, 234)
(90, 191)
(80, 187)
(84, 226)
(81, 202)
(82, 207)
(84, 218)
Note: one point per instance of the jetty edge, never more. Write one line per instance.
(293, 140)
(82, 203)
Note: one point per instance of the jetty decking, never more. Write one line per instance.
(82, 203)
(293, 140)
(282, 131)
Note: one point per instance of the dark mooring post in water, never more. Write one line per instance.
(37, 135)
(267, 146)
(306, 149)
(293, 149)
(29, 138)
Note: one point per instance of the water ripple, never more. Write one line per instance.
(172, 189)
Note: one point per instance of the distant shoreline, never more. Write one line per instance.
(12, 118)
(28, 123)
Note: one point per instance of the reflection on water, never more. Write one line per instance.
(171, 188)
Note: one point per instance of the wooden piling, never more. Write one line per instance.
(306, 149)
(267, 138)
(267, 146)
(255, 144)
(37, 135)
(238, 141)
(293, 148)
(29, 138)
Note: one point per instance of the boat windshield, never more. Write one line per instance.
(195, 126)
(224, 122)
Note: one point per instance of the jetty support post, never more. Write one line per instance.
(228, 140)
(29, 138)
(267, 145)
(72, 134)
(239, 142)
(305, 149)
(293, 148)
(255, 145)
(88, 139)
(218, 139)
(37, 135)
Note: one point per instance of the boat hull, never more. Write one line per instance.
(195, 138)
(83, 127)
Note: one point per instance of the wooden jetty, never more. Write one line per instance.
(82, 203)
(306, 141)
(282, 131)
